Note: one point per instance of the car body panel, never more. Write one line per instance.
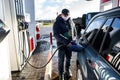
(100, 70)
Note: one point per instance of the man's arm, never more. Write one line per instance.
(59, 37)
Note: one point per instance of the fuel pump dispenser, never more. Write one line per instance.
(23, 40)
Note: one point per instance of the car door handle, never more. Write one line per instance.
(90, 63)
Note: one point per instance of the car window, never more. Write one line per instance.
(98, 38)
(96, 24)
(115, 33)
(107, 24)
(93, 28)
(116, 23)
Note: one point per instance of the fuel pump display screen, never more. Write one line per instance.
(1, 24)
(3, 31)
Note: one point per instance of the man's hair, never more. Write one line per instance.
(65, 11)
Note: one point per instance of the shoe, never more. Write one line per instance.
(67, 75)
(61, 77)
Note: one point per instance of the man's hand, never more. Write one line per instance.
(84, 43)
(69, 45)
(73, 43)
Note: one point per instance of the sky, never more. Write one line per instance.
(48, 9)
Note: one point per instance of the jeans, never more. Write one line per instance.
(76, 48)
(62, 54)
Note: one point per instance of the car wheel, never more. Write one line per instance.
(79, 75)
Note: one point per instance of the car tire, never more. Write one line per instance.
(79, 75)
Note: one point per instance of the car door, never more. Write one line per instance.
(87, 57)
(110, 63)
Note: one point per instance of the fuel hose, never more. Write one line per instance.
(36, 67)
(28, 58)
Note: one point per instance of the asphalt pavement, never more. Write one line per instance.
(45, 32)
(39, 58)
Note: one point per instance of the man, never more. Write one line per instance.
(61, 28)
(62, 33)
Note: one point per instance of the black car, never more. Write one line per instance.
(100, 60)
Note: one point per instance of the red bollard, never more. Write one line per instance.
(50, 38)
(31, 44)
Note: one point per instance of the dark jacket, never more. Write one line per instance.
(60, 28)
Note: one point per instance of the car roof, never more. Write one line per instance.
(108, 13)
(93, 12)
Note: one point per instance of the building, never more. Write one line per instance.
(108, 4)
